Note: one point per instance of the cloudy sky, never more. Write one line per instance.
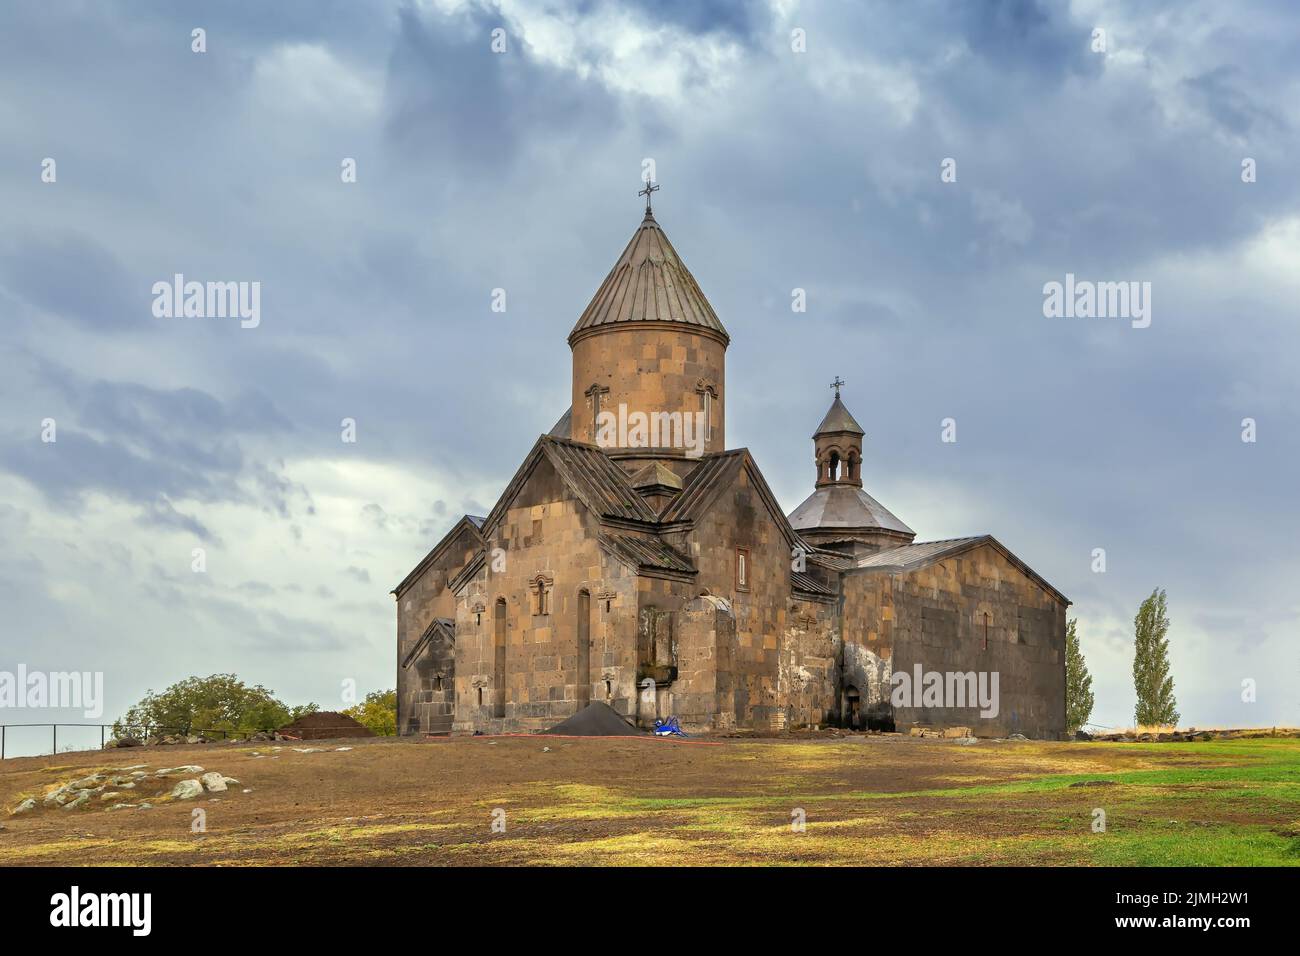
(781, 169)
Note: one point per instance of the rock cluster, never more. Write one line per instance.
(111, 786)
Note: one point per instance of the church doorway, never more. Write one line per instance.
(852, 708)
(499, 660)
(584, 649)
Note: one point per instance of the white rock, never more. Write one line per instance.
(28, 804)
(186, 790)
(124, 806)
(82, 797)
(339, 749)
(230, 781)
(184, 768)
(213, 782)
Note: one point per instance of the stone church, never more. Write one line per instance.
(653, 569)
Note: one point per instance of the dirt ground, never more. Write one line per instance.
(602, 801)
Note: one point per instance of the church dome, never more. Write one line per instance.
(649, 284)
(649, 349)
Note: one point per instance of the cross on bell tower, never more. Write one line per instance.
(650, 187)
(837, 383)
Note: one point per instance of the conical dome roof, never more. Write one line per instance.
(649, 283)
(838, 419)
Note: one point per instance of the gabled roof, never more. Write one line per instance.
(646, 553)
(711, 477)
(838, 419)
(649, 283)
(911, 557)
(440, 627)
(589, 473)
(847, 507)
(801, 581)
(468, 572)
(472, 523)
(825, 558)
(564, 427)
(656, 475)
(712, 474)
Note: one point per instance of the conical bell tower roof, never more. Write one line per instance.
(838, 419)
(649, 284)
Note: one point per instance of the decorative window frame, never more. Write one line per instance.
(744, 569)
(703, 388)
(594, 393)
(540, 586)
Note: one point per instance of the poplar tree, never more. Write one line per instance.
(1155, 688)
(1078, 682)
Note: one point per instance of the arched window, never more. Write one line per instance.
(833, 467)
(499, 660)
(539, 594)
(583, 679)
(708, 398)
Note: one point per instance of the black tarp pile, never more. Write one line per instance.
(595, 720)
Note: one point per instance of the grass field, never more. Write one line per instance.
(867, 800)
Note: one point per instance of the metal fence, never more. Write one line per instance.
(146, 731)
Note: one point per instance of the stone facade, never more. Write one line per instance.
(666, 583)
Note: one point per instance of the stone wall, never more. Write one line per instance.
(547, 538)
(425, 688)
(649, 369)
(935, 616)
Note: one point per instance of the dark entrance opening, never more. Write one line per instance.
(852, 708)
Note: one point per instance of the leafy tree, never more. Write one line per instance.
(1078, 682)
(378, 712)
(221, 702)
(1155, 688)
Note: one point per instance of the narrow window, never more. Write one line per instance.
(742, 569)
(498, 662)
(708, 395)
(594, 394)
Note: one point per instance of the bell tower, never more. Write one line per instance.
(837, 445)
(838, 514)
